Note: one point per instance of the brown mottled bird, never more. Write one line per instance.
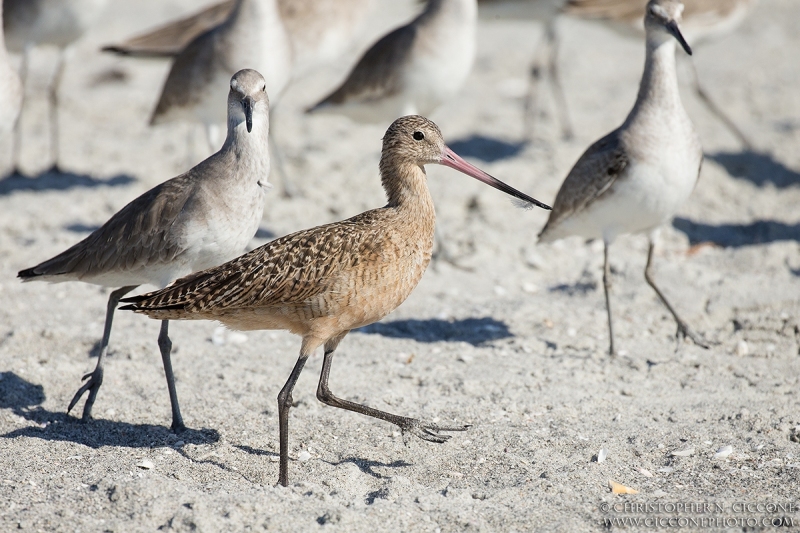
(322, 282)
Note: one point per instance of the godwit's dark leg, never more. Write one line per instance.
(423, 430)
(284, 404)
(96, 377)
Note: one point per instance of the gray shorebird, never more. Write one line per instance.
(10, 91)
(252, 36)
(59, 23)
(635, 178)
(413, 69)
(197, 220)
(703, 20)
(546, 61)
(323, 282)
(319, 30)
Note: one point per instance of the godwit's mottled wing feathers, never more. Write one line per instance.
(172, 38)
(291, 271)
(144, 232)
(377, 74)
(594, 173)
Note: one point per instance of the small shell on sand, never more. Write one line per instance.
(618, 488)
(684, 453)
(742, 348)
(145, 464)
(303, 456)
(723, 452)
(601, 455)
(645, 472)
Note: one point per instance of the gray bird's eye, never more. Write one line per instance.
(418, 135)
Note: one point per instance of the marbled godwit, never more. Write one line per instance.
(702, 20)
(191, 222)
(412, 69)
(29, 23)
(323, 282)
(10, 90)
(252, 36)
(319, 30)
(635, 178)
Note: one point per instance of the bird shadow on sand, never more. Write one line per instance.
(487, 149)
(584, 285)
(58, 181)
(475, 331)
(757, 168)
(737, 235)
(24, 399)
(255, 451)
(368, 467)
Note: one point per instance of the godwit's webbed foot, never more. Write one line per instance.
(428, 431)
(424, 430)
(95, 379)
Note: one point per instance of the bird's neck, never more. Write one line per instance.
(406, 187)
(250, 150)
(254, 12)
(659, 86)
(449, 12)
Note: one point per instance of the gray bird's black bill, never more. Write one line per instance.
(672, 28)
(247, 105)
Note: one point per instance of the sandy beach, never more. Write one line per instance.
(513, 342)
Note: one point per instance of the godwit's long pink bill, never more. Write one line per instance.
(455, 161)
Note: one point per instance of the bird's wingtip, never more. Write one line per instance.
(114, 49)
(27, 274)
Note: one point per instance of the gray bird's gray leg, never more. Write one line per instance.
(717, 112)
(683, 329)
(96, 377)
(55, 140)
(607, 287)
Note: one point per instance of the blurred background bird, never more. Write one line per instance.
(59, 23)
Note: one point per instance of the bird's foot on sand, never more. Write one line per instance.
(684, 331)
(95, 379)
(428, 431)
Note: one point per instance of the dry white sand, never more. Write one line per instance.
(516, 346)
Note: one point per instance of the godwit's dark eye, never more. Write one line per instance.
(418, 135)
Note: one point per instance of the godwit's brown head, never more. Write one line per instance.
(417, 141)
(248, 102)
(661, 22)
